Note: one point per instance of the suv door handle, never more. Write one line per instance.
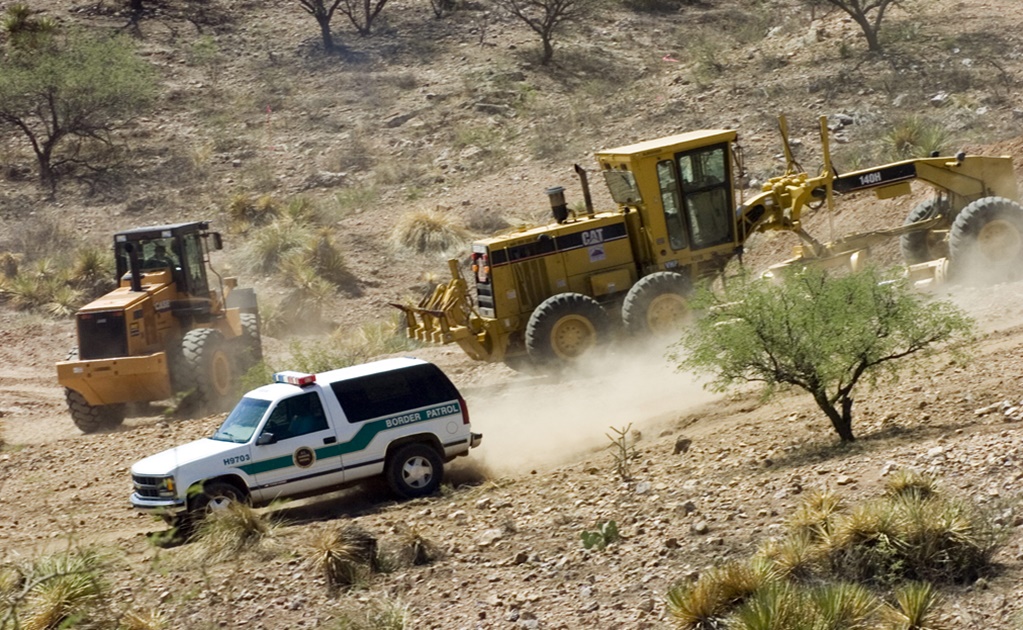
(330, 440)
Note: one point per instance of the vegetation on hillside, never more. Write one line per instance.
(817, 331)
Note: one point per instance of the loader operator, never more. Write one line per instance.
(161, 258)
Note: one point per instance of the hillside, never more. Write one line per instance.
(457, 114)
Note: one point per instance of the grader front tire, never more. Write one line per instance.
(657, 304)
(564, 327)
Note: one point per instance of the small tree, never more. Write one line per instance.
(361, 13)
(547, 17)
(64, 93)
(323, 11)
(860, 11)
(818, 332)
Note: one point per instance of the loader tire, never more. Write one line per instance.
(250, 344)
(924, 245)
(657, 304)
(210, 368)
(92, 418)
(564, 327)
(986, 242)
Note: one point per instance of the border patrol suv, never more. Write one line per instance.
(307, 434)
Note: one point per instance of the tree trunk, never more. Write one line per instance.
(328, 39)
(840, 421)
(548, 51)
(870, 32)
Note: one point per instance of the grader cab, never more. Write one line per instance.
(552, 292)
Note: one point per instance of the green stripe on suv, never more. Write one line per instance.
(360, 440)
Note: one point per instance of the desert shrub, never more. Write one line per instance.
(224, 534)
(714, 595)
(413, 548)
(150, 619)
(346, 347)
(324, 255)
(906, 482)
(813, 516)
(426, 231)
(913, 137)
(914, 608)
(345, 554)
(244, 211)
(907, 537)
(60, 590)
(272, 244)
(8, 265)
(349, 199)
(380, 613)
(486, 221)
(93, 270)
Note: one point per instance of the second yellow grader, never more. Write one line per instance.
(548, 294)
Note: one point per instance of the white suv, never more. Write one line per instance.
(307, 434)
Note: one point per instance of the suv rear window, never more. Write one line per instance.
(396, 391)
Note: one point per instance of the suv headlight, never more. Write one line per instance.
(166, 488)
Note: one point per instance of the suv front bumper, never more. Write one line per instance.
(157, 506)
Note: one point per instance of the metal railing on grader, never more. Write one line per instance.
(546, 294)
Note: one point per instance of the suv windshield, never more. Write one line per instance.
(242, 422)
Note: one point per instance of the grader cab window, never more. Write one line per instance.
(672, 205)
(707, 195)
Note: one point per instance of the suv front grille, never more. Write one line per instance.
(147, 486)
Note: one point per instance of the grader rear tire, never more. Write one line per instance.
(564, 327)
(657, 304)
(210, 368)
(922, 246)
(986, 242)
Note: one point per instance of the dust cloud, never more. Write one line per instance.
(542, 421)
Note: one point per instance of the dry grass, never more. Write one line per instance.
(225, 534)
(345, 554)
(429, 231)
(55, 591)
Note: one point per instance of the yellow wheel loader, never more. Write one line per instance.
(162, 331)
(549, 293)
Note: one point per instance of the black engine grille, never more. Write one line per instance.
(101, 335)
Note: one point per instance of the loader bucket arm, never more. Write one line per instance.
(447, 315)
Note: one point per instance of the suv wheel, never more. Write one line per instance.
(414, 470)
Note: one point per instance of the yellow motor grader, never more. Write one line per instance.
(550, 293)
(162, 331)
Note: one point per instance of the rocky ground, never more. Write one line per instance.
(465, 136)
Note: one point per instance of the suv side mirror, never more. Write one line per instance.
(266, 438)
(218, 243)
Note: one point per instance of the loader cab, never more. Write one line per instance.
(178, 249)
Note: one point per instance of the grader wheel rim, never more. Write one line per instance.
(572, 335)
(666, 313)
(1000, 241)
(220, 373)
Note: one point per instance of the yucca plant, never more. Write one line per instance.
(776, 606)
(914, 608)
(813, 516)
(325, 257)
(914, 137)
(844, 606)
(63, 587)
(345, 554)
(244, 210)
(426, 231)
(239, 528)
(864, 544)
(907, 482)
(381, 613)
(149, 619)
(798, 556)
(705, 604)
(416, 549)
(272, 244)
(8, 265)
(302, 210)
(64, 301)
(92, 271)
(943, 540)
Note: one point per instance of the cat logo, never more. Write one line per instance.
(593, 237)
(304, 457)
